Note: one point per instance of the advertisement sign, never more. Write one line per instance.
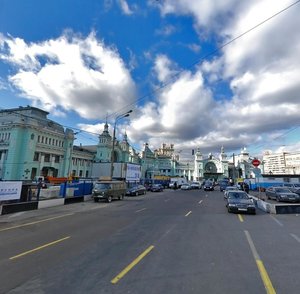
(10, 190)
(133, 172)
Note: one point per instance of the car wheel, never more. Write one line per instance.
(109, 199)
(228, 209)
(136, 193)
(96, 200)
(277, 199)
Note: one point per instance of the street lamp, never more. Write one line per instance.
(126, 114)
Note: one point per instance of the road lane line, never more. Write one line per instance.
(295, 237)
(39, 248)
(276, 220)
(188, 213)
(200, 201)
(140, 210)
(240, 218)
(263, 273)
(36, 222)
(131, 265)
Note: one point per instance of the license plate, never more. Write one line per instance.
(242, 209)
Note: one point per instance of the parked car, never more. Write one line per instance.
(228, 189)
(208, 186)
(156, 188)
(282, 194)
(136, 190)
(195, 185)
(239, 201)
(291, 186)
(185, 187)
(108, 190)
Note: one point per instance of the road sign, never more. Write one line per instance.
(255, 162)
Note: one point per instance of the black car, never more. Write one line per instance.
(208, 186)
(156, 188)
(239, 201)
(136, 190)
(282, 194)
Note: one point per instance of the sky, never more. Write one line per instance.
(196, 74)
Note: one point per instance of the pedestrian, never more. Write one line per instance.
(175, 186)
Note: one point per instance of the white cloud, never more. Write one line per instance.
(261, 67)
(74, 73)
(125, 7)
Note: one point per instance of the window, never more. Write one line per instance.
(47, 157)
(36, 156)
(56, 159)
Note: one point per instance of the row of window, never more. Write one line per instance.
(4, 136)
(50, 141)
(56, 158)
(47, 157)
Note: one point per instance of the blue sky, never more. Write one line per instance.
(85, 61)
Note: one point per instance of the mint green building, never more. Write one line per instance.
(31, 145)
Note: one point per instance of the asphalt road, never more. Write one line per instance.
(168, 242)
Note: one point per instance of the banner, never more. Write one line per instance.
(10, 190)
(133, 172)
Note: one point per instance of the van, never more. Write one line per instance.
(109, 190)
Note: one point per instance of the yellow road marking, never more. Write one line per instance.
(265, 277)
(240, 218)
(36, 222)
(39, 248)
(261, 268)
(188, 213)
(131, 265)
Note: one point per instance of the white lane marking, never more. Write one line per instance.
(140, 210)
(200, 201)
(188, 213)
(295, 237)
(166, 200)
(277, 221)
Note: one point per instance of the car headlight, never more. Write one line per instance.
(232, 204)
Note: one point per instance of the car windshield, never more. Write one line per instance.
(282, 190)
(235, 195)
(103, 186)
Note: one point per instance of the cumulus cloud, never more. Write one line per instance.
(70, 73)
(261, 69)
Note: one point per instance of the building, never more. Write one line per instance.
(31, 145)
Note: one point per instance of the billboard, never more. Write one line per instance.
(10, 190)
(133, 172)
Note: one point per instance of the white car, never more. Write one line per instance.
(195, 185)
(185, 187)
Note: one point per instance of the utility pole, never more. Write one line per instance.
(112, 158)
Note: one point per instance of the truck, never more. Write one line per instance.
(179, 181)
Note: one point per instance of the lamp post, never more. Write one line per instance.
(126, 114)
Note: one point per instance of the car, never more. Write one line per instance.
(282, 194)
(291, 186)
(108, 190)
(208, 186)
(228, 189)
(136, 190)
(240, 201)
(195, 185)
(223, 184)
(156, 188)
(185, 187)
